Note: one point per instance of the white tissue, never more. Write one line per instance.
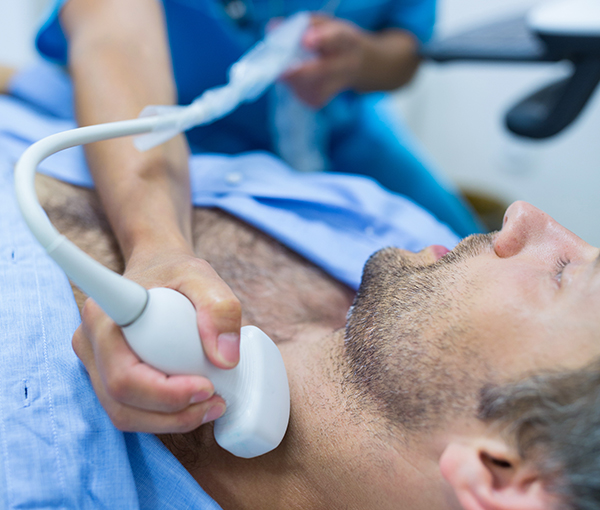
(249, 77)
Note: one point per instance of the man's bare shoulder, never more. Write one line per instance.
(279, 289)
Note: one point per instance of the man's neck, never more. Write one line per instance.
(288, 476)
(326, 459)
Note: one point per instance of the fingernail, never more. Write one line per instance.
(213, 413)
(201, 396)
(228, 345)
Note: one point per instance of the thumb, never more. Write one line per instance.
(219, 317)
(219, 326)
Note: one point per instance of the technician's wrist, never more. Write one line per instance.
(155, 228)
(149, 252)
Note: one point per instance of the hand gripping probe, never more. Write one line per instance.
(160, 324)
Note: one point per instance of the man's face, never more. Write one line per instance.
(496, 308)
(534, 295)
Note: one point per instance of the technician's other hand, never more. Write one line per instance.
(138, 397)
(338, 48)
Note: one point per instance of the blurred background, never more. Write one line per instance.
(456, 110)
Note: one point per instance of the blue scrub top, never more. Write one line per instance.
(204, 43)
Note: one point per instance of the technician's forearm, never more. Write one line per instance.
(117, 70)
(389, 61)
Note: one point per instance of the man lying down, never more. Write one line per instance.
(466, 379)
(461, 380)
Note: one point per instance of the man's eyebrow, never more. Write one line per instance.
(597, 263)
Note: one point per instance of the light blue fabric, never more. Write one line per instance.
(357, 137)
(58, 448)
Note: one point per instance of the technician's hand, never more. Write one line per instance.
(138, 397)
(338, 48)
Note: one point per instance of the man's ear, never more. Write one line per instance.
(486, 474)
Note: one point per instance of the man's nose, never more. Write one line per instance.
(524, 227)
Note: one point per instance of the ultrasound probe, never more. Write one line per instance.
(160, 324)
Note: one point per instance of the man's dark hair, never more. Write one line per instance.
(554, 421)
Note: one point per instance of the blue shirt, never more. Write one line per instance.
(59, 448)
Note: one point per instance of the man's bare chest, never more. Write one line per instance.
(279, 290)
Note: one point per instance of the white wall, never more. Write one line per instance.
(18, 19)
(457, 111)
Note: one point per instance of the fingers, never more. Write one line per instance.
(337, 46)
(138, 397)
(219, 315)
(218, 309)
(323, 40)
(329, 36)
(135, 396)
(100, 344)
(316, 82)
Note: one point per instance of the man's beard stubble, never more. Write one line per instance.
(406, 353)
